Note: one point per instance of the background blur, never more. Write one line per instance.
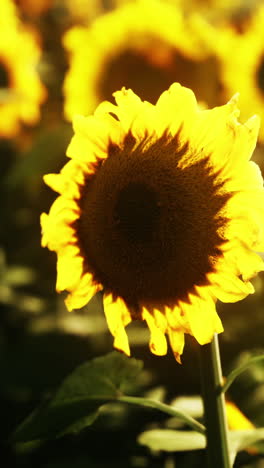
(44, 75)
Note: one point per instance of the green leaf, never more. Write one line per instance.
(240, 440)
(172, 441)
(239, 370)
(80, 396)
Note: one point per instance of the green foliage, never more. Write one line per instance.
(107, 379)
(240, 369)
(169, 440)
(248, 389)
(172, 441)
(78, 400)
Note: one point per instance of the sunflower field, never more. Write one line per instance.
(132, 234)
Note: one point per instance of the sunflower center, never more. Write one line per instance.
(260, 75)
(148, 72)
(4, 76)
(137, 212)
(150, 222)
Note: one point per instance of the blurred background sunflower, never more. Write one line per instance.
(21, 91)
(62, 57)
(146, 46)
(243, 68)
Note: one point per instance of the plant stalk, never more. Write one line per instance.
(214, 406)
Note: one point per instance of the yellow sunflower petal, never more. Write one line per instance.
(158, 342)
(62, 185)
(125, 98)
(248, 179)
(240, 140)
(69, 269)
(117, 316)
(86, 145)
(176, 338)
(54, 236)
(78, 298)
(229, 288)
(203, 319)
(246, 226)
(177, 105)
(248, 262)
(56, 227)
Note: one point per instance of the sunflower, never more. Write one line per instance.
(161, 208)
(21, 91)
(243, 69)
(145, 46)
(9, 14)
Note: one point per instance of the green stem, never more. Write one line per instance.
(165, 409)
(214, 406)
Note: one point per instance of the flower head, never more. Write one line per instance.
(243, 69)
(146, 46)
(21, 91)
(161, 208)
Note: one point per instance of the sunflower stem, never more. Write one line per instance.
(214, 406)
